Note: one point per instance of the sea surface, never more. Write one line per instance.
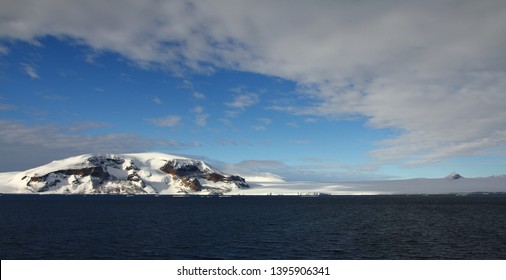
(246, 227)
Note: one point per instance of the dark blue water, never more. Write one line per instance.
(333, 227)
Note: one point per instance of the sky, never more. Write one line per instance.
(306, 90)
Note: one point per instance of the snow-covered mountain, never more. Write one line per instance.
(454, 176)
(144, 173)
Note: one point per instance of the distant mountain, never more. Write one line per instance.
(144, 173)
(454, 176)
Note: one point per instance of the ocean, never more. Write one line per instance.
(253, 227)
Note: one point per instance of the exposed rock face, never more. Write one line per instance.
(454, 176)
(193, 184)
(183, 171)
(97, 174)
(136, 173)
(189, 173)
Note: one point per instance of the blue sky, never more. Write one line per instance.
(329, 91)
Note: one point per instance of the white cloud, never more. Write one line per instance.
(3, 50)
(232, 114)
(433, 71)
(200, 117)
(169, 121)
(199, 95)
(187, 84)
(157, 100)
(226, 122)
(197, 110)
(201, 120)
(83, 126)
(301, 142)
(6, 107)
(293, 124)
(260, 127)
(263, 123)
(244, 101)
(55, 97)
(30, 71)
(227, 142)
(26, 146)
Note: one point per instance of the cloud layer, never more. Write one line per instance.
(434, 71)
(168, 121)
(24, 146)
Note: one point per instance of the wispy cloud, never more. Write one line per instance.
(265, 121)
(200, 116)
(262, 125)
(3, 50)
(197, 110)
(92, 56)
(227, 142)
(25, 146)
(157, 100)
(6, 107)
(199, 95)
(244, 101)
(30, 71)
(293, 124)
(83, 126)
(187, 84)
(232, 114)
(301, 142)
(168, 121)
(226, 122)
(56, 97)
(201, 119)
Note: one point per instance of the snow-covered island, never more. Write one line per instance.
(164, 174)
(144, 173)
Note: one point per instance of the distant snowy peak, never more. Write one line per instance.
(454, 176)
(149, 173)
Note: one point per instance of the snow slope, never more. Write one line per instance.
(411, 186)
(6, 184)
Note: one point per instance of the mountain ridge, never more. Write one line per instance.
(454, 176)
